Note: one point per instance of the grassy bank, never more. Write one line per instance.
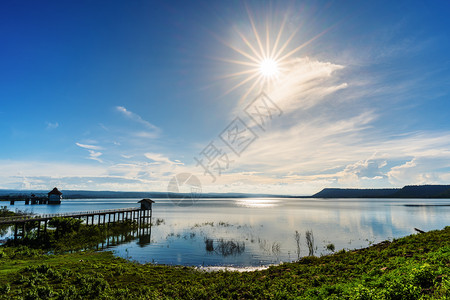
(408, 268)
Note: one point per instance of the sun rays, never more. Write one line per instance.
(263, 56)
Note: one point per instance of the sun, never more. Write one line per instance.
(269, 68)
(262, 59)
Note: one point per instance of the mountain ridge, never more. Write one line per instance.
(408, 191)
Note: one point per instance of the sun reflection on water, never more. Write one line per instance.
(257, 203)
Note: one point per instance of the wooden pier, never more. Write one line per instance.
(141, 215)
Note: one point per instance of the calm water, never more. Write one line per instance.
(255, 232)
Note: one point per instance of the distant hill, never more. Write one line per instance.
(423, 191)
(409, 191)
(354, 193)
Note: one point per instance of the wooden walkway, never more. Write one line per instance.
(97, 217)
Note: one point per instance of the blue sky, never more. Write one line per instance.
(124, 95)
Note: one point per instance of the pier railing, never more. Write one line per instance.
(7, 220)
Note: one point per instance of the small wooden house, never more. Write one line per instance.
(54, 197)
(146, 204)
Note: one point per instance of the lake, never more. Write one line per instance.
(249, 232)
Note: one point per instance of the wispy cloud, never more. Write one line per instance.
(51, 125)
(94, 155)
(422, 170)
(154, 130)
(160, 158)
(90, 147)
(307, 82)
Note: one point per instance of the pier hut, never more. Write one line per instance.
(146, 207)
(54, 196)
(146, 204)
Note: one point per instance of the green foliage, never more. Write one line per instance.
(401, 289)
(443, 289)
(330, 247)
(415, 267)
(4, 212)
(70, 234)
(5, 288)
(363, 293)
(423, 276)
(65, 225)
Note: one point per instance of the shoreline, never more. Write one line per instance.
(411, 267)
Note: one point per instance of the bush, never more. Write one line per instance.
(401, 290)
(5, 289)
(65, 225)
(444, 289)
(363, 293)
(423, 276)
(330, 247)
(3, 254)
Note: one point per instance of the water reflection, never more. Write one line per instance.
(141, 235)
(257, 203)
(225, 248)
(254, 232)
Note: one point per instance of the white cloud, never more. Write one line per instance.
(135, 176)
(160, 158)
(51, 125)
(145, 134)
(52, 169)
(360, 171)
(95, 155)
(154, 130)
(421, 170)
(305, 84)
(90, 147)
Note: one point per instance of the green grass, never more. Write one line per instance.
(414, 267)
